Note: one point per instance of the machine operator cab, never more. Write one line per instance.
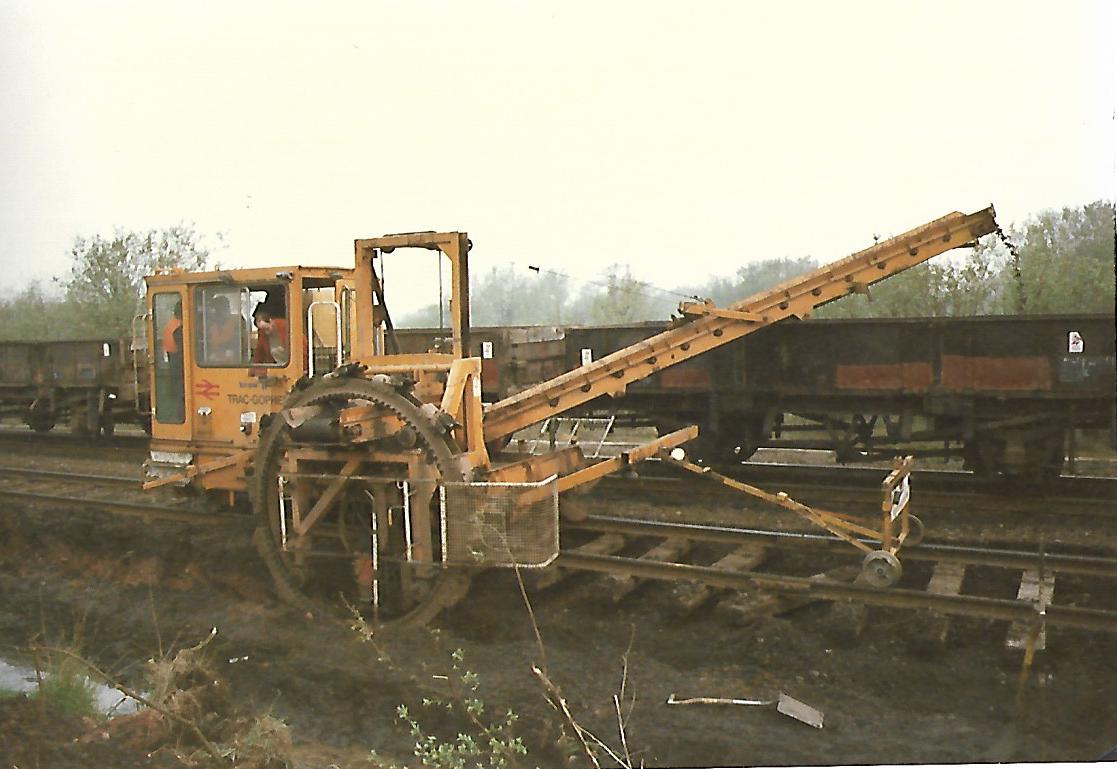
(228, 346)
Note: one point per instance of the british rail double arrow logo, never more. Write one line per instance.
(207, 389)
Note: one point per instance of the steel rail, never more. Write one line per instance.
(137, 509)
(119, 440)
(973, 606)
(1006, 559)
(1061, 506)
(33, 472)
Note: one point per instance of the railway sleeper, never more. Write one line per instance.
(747, 607)
(691, 595)
(946, 580)
(1039, 589)
(669, 550)
(606, 544)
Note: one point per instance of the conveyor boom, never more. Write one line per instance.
(715, 326)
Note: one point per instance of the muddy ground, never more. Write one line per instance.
(133, 591)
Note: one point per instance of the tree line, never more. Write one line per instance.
(104, 290)
(1063, 262)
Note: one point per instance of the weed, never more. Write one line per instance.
(64, 686)
(265, 743)
(487, 742)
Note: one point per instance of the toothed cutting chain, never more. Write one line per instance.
(1004, 238)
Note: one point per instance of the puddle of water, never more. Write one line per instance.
(107, 700)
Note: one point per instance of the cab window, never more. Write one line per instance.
(242, 325)
(170, 390)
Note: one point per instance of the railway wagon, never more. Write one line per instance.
(90, 383)
(512, 357)
(1006, 393)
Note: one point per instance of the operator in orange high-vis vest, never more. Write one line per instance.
(272, 335)
(172, 336)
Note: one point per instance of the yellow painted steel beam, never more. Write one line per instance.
(601, 469)
(627, 459)
(795, 298)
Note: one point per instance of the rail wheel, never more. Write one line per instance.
(378, 542)
(881, 569)
(40, 415)
(915, 531)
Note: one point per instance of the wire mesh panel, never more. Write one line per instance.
(500, 524)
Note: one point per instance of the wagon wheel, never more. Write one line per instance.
(336, 559)
(40, 415)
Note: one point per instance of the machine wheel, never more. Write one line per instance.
(985, 456)
(915, 531)
(40, 416)
(338, 561)
(881, 569)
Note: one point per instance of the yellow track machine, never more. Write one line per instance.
(379, 474)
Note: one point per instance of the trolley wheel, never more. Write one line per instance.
(915, 531)
(881, 569)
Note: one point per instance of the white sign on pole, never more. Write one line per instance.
(587, 356)
(1074, 342)
(900, 496)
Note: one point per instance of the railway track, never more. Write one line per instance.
(721, 564)
(111, 493)
(1092, 496)
(663, 546)
(65, 444)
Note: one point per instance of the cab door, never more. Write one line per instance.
(169, 331)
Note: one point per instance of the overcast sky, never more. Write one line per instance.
(684, 139)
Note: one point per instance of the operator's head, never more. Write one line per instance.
(263, 315)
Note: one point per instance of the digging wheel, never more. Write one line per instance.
(336, 562)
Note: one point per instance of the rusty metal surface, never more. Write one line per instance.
(66, 364)
(975, 373)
